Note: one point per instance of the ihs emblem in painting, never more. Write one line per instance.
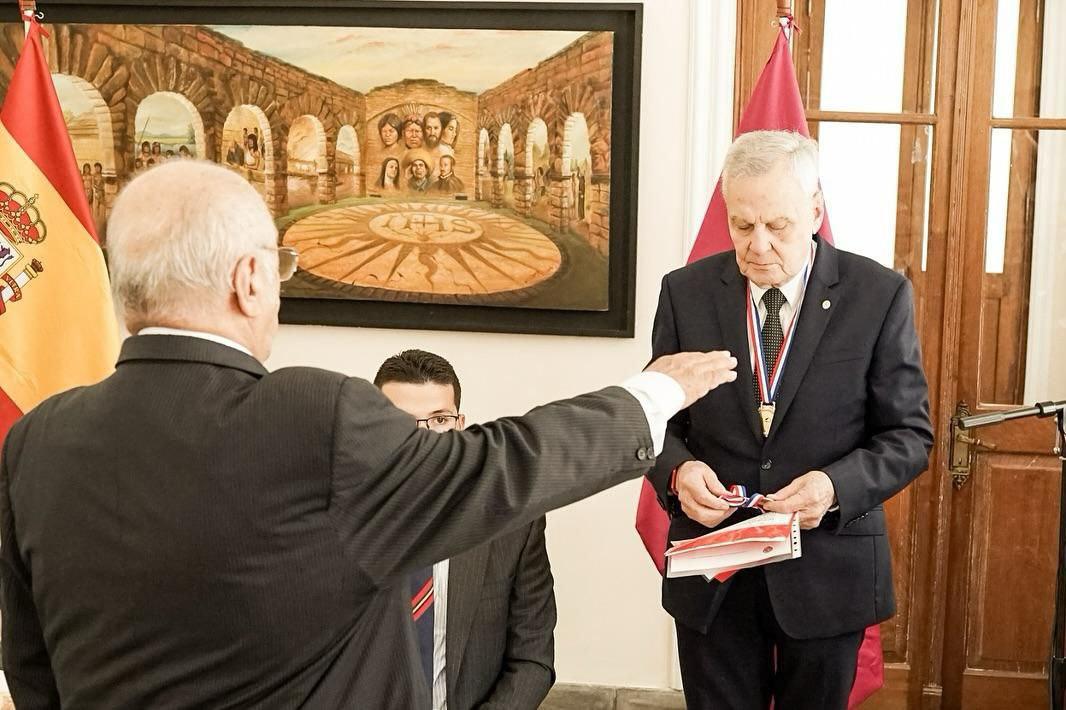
(436, 249)
(21, 229)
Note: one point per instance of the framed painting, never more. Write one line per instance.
(444, 165)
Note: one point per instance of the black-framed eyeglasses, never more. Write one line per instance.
(439, 423)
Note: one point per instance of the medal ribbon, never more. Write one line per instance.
(738, 498)
(768, 387)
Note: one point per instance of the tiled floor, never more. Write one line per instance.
(595, 697)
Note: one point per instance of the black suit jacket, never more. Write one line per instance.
(500, 650)
(853, 402)
(197, 532)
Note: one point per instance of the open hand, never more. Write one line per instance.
(697, 373)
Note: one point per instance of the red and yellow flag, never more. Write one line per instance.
(57, 324)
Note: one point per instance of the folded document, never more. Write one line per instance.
(762, 540)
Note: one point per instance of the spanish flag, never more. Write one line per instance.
(57, 324)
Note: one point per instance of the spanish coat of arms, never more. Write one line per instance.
(21, 229)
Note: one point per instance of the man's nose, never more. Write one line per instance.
(760, 239)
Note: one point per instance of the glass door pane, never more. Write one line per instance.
(863, 56)
(1045, 374)
(1023, 314)
(1030, 59)
(860, 181)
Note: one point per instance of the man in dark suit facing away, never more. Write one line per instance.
(484, 619)
(195, 531)
(828, 416)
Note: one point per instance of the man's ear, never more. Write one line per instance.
(461, 422)
(247, 286)
(819, 211)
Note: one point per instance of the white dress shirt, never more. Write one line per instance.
(221, 340)
(440, 628)
(793, 292)
(661, 397)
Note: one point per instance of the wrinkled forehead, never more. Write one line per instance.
(775, 192)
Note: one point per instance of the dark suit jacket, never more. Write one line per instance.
(500, 649)
(197, 532)
(853, 402)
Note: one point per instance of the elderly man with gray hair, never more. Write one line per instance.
(198, 532)
(828, 418)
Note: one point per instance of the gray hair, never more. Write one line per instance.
(756, 153)
(175, 233)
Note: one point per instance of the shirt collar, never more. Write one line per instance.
(792, 289)
(221, 340)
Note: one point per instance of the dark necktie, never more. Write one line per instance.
(422, 616)
(772, 337)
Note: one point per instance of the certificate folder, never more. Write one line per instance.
(762, 540)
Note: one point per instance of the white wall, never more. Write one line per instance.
(612, 629)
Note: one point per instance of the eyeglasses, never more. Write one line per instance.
(439, 423)
(287, 260)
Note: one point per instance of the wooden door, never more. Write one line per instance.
(1002, 520)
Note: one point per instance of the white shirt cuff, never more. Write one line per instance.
(661, 397)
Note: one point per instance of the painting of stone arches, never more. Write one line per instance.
(453, 168)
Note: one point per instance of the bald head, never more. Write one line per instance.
(192, 245)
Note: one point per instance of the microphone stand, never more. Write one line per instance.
(1057, 668)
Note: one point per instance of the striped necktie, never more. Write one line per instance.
(421, 581)
(772, 336)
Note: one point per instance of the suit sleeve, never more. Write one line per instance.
(897, 415)
(26, 664)
(403, 497)
(528, 664)
(664, 341)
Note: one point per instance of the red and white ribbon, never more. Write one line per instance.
(768, 386)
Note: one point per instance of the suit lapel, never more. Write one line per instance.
(813, 319)
(466, 574)
(732, 312)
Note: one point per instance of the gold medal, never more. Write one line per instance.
(766, 414)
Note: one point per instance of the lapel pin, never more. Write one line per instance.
(825, 305)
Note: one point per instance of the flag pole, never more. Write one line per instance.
(785, 18)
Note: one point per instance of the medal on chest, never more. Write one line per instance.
(769, 382)
(766, 416)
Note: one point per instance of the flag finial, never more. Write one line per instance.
(29, 12)
(787, 23)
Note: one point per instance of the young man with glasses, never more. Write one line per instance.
(484, 619)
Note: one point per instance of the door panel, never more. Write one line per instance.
(1002, 548)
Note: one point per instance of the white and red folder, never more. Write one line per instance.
(762, 540)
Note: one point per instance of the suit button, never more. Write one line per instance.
(767, 465)
(642, 454)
